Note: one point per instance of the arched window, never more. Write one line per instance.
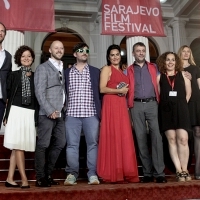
(68, 38)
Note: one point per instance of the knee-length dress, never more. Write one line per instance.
(173, 110)
(116, 153)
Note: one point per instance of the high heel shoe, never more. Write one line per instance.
(11, 185)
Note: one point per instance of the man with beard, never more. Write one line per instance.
(143, 101)
(83, 113)
(5, 69)
(50, 92)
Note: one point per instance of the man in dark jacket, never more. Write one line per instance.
(83, 112)
(5, 69)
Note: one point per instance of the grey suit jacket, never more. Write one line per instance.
(4, 73)
(49, 88)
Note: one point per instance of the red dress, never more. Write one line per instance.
(116, 152)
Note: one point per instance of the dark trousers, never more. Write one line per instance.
(51, 135)
(2, 110)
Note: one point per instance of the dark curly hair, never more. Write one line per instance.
(111, 47)
(20, 51)
(161, 62)
(80, 45)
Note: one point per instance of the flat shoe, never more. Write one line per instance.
(25, 186)
(11, 185)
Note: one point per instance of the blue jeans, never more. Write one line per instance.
(74, 127)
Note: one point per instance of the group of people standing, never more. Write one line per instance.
(63, 104)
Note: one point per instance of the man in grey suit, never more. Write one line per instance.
(50, 92)
(5, 69)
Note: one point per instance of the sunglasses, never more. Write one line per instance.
(83, 50)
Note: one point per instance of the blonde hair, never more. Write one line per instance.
(191, 58)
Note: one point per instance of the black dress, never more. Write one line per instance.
(174, 114)
(194, 103)
(173, 110)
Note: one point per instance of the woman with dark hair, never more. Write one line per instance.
(175, 92)
(116, 154)
(20, 133)
(185, 54)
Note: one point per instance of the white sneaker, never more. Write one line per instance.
(70, 180)
(93, 180)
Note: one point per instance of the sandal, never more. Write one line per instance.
(186, 175)
(180, 177)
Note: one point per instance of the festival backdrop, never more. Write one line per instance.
(132, 17)
(28, 15)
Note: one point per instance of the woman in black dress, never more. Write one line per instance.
(189, 65)
(20, 133)
(175, 92)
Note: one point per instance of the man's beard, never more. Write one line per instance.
(82, 60)
(1, 41)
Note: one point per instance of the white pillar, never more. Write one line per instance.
(104, 41)
(170, 38)
(13, 40)
(130, 41)
(179, 33)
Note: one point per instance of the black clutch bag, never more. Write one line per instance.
(119, 86)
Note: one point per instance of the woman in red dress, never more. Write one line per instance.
(116, 154)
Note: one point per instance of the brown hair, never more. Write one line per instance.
(161, 62)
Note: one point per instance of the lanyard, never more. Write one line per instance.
(171, 83)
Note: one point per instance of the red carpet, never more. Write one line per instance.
(82, 191)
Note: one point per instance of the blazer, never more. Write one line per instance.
(49, 88)
(12, 86)
(4, 73)
(95, 78)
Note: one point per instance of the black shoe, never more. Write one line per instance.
(25, 186)
(42, 182)
(161, 179)
(11, 185)
(51, 181)
(147, 179)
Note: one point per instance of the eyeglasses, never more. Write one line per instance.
(83, 50)
(60, 76)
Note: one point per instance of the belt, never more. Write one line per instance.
(145, 100)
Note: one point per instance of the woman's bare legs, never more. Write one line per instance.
(12, 167)
(173, 149)
(183, 148)
(20, 161)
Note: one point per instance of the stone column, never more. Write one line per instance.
(130, 41)
(104, 41)
(170, 38)
(12, 41)
(179, 33)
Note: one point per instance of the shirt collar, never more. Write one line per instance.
(57, 64)
(2, 50)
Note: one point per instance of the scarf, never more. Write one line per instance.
(26, 87)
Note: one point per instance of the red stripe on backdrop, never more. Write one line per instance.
(132, 17)
(28, 15)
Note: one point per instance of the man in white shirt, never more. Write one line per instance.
(5, 69)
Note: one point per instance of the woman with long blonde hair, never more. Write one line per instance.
(189, 65)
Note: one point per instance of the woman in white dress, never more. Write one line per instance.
(20, 117)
